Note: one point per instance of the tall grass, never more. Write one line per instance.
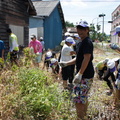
(30, 94)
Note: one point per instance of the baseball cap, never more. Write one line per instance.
(111, 65)
(53, 60)
(32, 36)
(83, 24)
(76, 35)
(117, 30)
(70, 40)
(41, 38)
(48, 55)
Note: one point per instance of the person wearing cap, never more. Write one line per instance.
(66, 55)
(85, 70)
(14, 48)
(113, 45)
(77, 40)
(43, 44)
(67, 34)
(111, 68)
(55, 67)
(117, 31)
(101, 68)
(48, 56)
(117, 83)
(37, 49)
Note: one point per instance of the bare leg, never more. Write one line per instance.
(81, 110)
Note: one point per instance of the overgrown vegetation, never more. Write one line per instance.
(29, 93)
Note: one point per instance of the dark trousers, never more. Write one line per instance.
(67, 73)
(101, 72)
(109, 74)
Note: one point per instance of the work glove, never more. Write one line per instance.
(77, 78)
(63, 64)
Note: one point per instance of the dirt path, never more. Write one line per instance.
(101, 105)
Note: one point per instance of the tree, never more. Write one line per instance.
(96, 35)
(68, 24)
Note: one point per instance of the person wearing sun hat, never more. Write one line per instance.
(85, 70)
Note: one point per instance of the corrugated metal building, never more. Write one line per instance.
(49, 21)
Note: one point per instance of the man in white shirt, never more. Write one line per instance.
(66, 55)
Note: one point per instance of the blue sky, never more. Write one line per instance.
(76, 10)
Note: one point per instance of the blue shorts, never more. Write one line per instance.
(80, 91)
(38, 58)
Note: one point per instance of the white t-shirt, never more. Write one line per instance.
(65, 53)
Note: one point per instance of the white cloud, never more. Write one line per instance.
(73, 3)
(75, 10)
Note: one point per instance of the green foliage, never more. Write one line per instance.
(68, 24)
(1, 63)
(38, 93)
(96, 35)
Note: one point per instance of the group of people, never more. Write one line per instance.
(74, 64)
(80, 59)
(37, 46)
(106, 69)
(13, 48)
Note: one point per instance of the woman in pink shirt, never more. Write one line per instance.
(36, 48)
